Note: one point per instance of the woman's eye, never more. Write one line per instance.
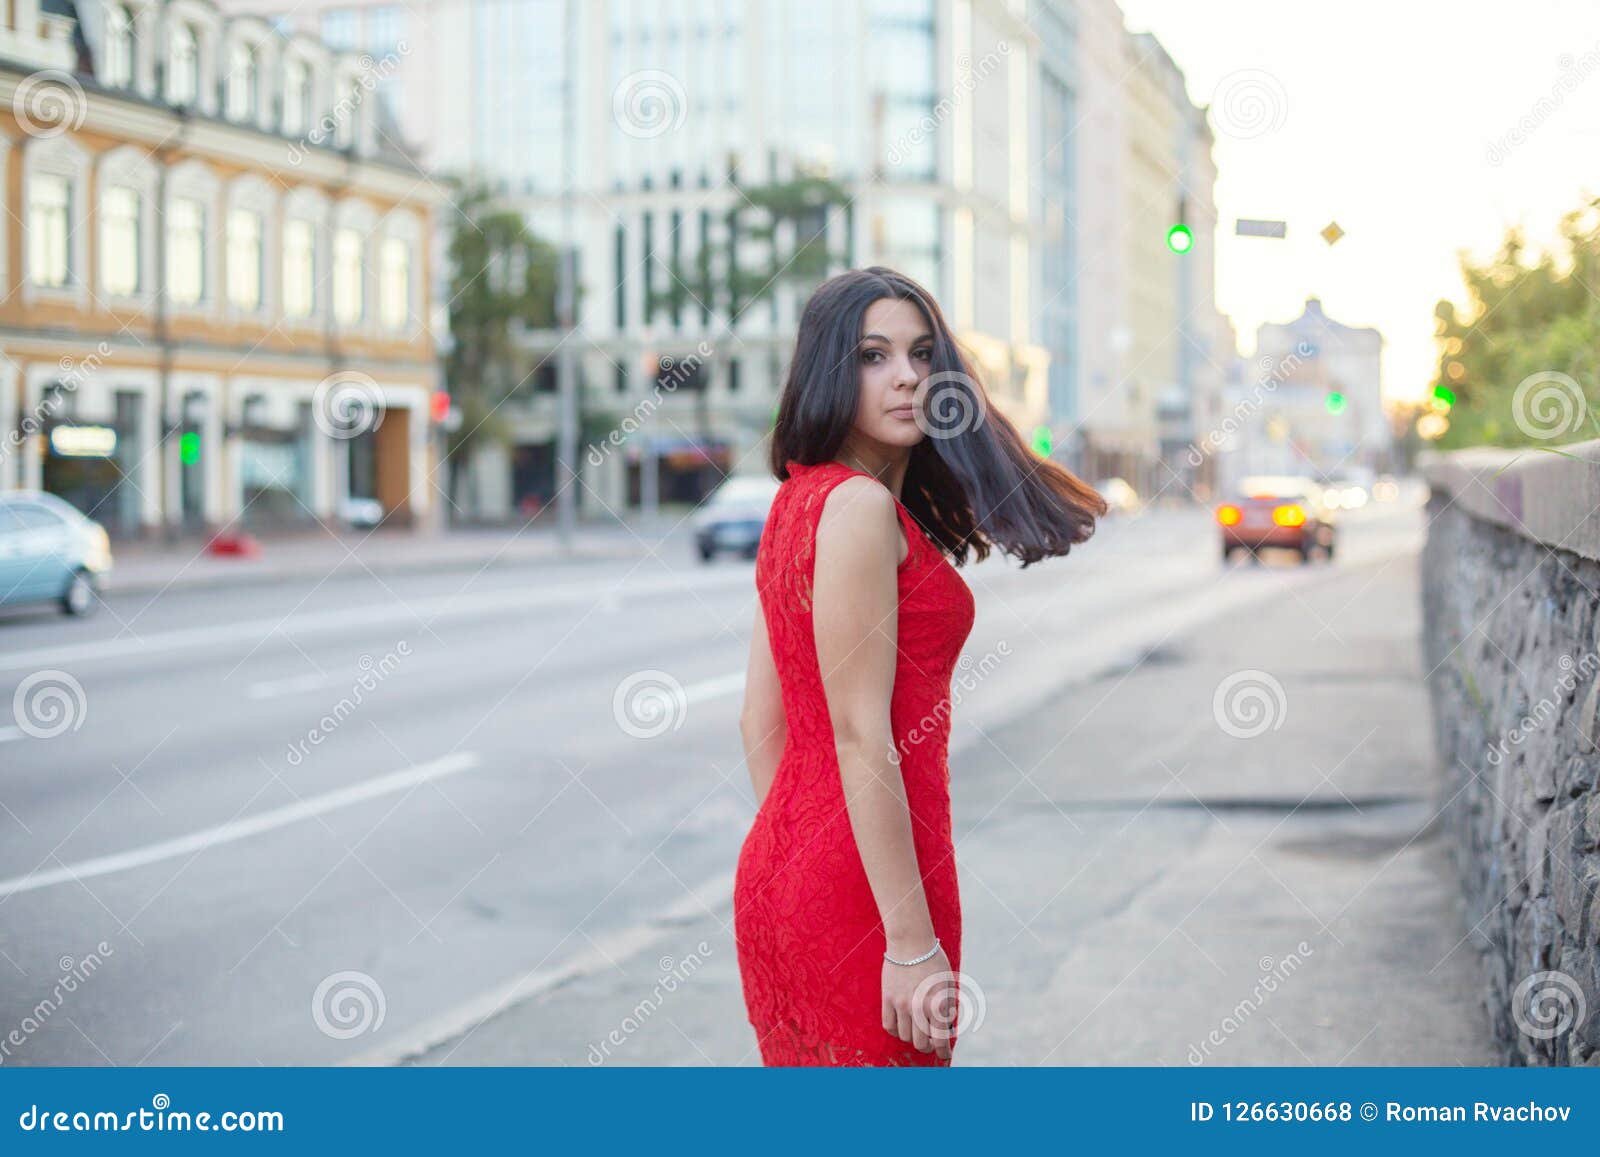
(925, 355)
(872, 357)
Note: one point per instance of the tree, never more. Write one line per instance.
(787, 221)
(502, 280)
(1533, 325)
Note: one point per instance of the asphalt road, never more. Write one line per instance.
(282, 824)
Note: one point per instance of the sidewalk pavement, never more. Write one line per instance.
(149, 567)
(1140, 886)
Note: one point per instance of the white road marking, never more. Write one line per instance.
(712, 896)
(293, 685)
(708, 689)
(323, 623)
(240, 829)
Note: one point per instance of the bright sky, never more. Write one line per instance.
(1382, 116)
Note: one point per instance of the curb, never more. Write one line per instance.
(357, 568)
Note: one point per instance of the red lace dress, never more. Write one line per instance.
(810, 940)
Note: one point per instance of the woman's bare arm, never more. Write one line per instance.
(762, 725)
(855, 615)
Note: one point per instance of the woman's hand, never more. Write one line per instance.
(919, 1002)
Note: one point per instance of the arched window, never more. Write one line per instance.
(118, 70)
(183, 65)
(242, 81)
(299, 269)
(296, 97)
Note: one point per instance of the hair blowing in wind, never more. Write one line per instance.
(972, 482)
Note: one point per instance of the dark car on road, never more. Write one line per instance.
(1286, 512)
(50, 553)
(732, 518)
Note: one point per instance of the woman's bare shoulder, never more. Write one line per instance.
(859, 517)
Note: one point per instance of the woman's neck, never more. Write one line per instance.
(890, 472)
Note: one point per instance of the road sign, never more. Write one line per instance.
(1257, 227)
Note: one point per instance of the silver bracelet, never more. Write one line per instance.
(928, 955)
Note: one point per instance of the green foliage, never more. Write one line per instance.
(502, 279)
(1525, 318)
(760, 216)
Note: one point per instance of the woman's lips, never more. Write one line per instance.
(906, 412)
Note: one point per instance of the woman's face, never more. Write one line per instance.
(895, 355)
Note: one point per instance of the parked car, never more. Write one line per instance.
(50, 553)
(1120, 496)
(1277, 511)
(361, 513)
(733, 517)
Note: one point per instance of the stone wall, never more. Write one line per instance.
(1511, 604)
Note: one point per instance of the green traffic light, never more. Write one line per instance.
(1180, 238)
(189, 447)
(1444, 394)
(1041, 441)
(1335, 402)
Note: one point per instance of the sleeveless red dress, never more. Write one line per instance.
(809, 938)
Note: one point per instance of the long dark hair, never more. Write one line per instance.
(972, 482)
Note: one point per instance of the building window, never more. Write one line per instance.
(622, 277)
(119, 241)
(340, 29)
(49, 230)
(347, 261)
(296, 97)
(186, 251)
(183, 65)
(344, 115)
(119, 47)
(244, 259)
(242, 82)
(394, 283)
(299, 269)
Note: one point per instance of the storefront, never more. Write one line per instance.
(689, 468)
(276, 470)
(93, 465)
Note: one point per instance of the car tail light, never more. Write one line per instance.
(1229, 515)
(1291, 515)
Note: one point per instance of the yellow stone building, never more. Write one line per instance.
(215, 261)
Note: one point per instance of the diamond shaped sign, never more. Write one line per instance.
(1331, 232)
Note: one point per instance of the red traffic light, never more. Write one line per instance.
(439, 406)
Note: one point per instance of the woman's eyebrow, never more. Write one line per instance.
(922, 337)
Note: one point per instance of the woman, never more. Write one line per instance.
(846, 911)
